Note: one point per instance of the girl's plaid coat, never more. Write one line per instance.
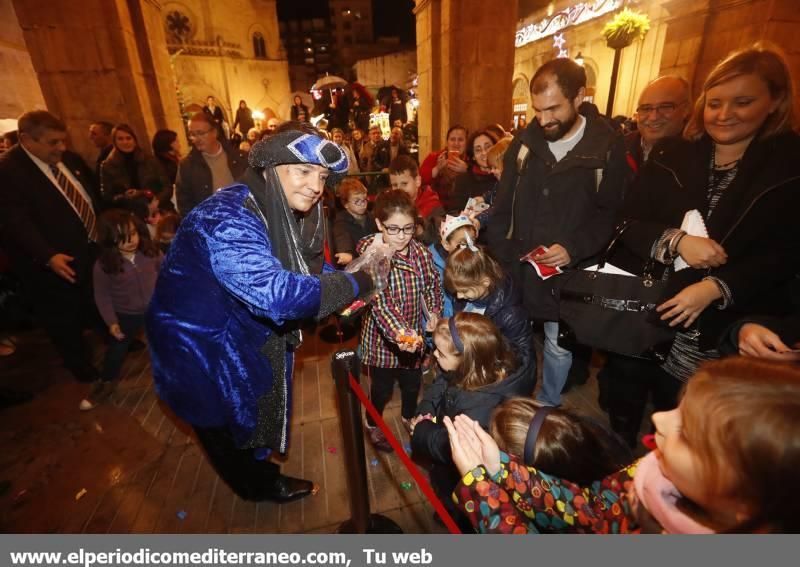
(412, 280)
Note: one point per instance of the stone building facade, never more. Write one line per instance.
(391, 69)
(230, 50)
(121, 61)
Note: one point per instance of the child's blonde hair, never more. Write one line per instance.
(741, 417)
(466, 267)
(486, 357)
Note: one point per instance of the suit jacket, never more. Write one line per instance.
(36, 220)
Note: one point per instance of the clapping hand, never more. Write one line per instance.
(471, 445)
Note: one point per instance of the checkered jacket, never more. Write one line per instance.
(412, 280)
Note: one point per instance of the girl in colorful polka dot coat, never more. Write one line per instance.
(725, 460)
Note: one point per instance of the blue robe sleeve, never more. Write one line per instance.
(241, 258)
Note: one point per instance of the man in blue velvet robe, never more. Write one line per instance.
(245, 268)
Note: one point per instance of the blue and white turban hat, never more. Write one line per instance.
(294, 146)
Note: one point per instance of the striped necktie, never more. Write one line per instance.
(78, 201)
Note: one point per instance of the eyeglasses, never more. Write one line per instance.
(359, 201)
(199, 133)
(663, 109)
(393, 230)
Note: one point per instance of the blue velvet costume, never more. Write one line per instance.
(222, 300)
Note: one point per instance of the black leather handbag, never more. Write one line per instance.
(613, 312)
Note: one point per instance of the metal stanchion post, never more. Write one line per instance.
(361, 521)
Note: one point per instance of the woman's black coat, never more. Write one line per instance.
(755, 221)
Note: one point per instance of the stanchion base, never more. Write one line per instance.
(378, 524)
(331, 333)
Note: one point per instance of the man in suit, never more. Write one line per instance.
(48, 209)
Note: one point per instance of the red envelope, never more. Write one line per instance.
(543, 271)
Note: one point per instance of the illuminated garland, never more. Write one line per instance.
(577, 14)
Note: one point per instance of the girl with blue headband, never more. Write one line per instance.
(479, 370)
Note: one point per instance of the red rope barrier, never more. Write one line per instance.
(420, 479)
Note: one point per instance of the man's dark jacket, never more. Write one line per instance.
(573, 202)
(194, 181)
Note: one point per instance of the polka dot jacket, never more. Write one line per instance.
(520, 500)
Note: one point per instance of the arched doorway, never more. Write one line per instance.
(591, 79)
(520, 101)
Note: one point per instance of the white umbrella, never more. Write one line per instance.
(329, 82)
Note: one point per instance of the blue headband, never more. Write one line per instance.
(451, 324)
(294, 146)
(533, 433)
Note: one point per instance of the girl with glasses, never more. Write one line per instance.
(392, 334)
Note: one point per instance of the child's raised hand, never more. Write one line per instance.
(116, 331)
(481, 442)
(464, 456)
(431, 324)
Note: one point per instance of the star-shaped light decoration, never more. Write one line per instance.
(558, 43)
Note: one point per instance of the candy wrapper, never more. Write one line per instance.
(377, 262)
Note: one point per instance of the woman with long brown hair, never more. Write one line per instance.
(736, 172)
(127, 169)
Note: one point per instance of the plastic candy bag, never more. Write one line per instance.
(377, 262)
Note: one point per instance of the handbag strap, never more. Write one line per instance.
(647, 272)
(631, 305)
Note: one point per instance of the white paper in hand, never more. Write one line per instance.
(693, 225)
(609, 269)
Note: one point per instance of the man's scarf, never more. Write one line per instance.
(297, 242)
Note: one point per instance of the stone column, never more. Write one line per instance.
(19, 89)
(465, 64)
(102, 60)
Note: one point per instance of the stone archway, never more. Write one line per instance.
(520, 100)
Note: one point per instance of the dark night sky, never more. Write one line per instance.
(390, 17)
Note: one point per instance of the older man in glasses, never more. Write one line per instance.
(661, 113)
(209, 166)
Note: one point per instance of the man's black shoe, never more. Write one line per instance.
(288, 489)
